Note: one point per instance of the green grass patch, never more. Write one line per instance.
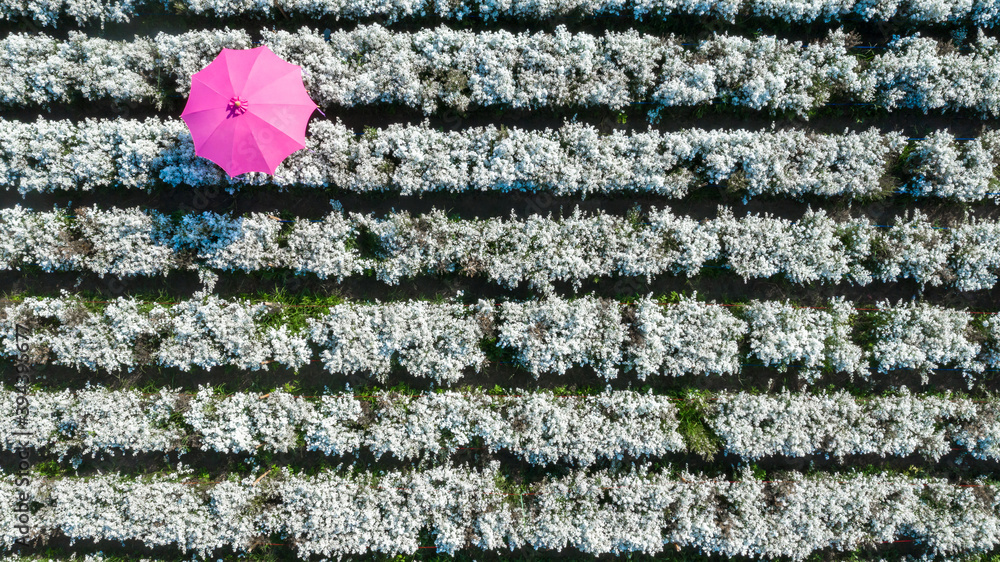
(698, 436)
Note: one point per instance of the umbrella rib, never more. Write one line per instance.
(310, 104)
(208, 141)
(209, 86)
(202, 110)
(258, 117)
(273, 78)
(232, 151)
(246, 78)
(276, 129)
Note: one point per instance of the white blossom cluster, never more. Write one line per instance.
(690, 337)
(796, 162)
(916, 72)
(445, 67)
(60, 155)
(337, 512)
(435, 340)
(95, 420)
(539, 251)
(158, 510)
(49, 12)
(941, 167)
(551, 335)
(837, 424)
(792, 518)
(783, 335)
(980, 12)
(98, 556)
(95, 68)
(243, 422)
(554, 334)
(540, 427)
(574, 159)
(805, 251)
(431, 69)
(201, 332)
(920, 336)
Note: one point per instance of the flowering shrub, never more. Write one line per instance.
(248, 243)
(159, 510)
(540, 251)
(209, 332)
(324, 248)
(916, 72)
(755, 426)
(437, 341)
(689, 337)
(441, 341)
(942, 167)
(914, 248)
(809, 163)
(922, 337)
(204, 332)
(540, 427)
(431, 69)
(342, 512)
(806, 250)
(243, 422)
(97, 420)
(574, 159)
(47, 12)
(975, 254)
(781, 335)
(553, 335)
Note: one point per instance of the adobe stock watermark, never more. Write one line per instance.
(22, 450)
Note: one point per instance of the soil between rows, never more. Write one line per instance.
(712, 284)
(275, 549)
(313, 379)
(958, 467)
(314, 203)
(152, 19)
(831, 119)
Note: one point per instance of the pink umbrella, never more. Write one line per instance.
(248, 110)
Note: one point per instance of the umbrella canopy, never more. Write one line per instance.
(248, 110)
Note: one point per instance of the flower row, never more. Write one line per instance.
(341, 512)
(977, 12)
(442, 341)
(574, 159)
(434, 69)
(537, 250)
(540, 427)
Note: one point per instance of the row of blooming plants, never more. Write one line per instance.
(444, 341)
(538, 426)
(346, 511)
(574, 159)
(435, 69)
(538, 251)
(981, 13)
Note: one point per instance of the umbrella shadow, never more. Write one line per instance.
(233, 111)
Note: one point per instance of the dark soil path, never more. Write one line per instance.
(152, 19)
